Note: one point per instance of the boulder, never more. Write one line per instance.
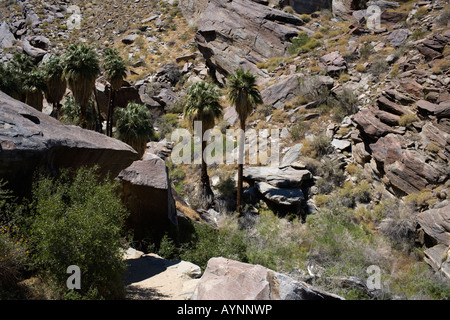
(30, 139)
(285, 89)
(126, 94)
(341, 144)
(407, 170)
(226, 279)
(34, 52)
(370, 125)
(130, 39)
(436, 224)
(308, 6)
(282, 178)
(438, 257)
(146, 192)
(345, 8)
(398, 37)
(291, 155)
(281, 196)
(387, 105)
(240, 33)
(334, 62)
(6, 37)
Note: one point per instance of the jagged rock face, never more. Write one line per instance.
(30, 139)
(226, 279)
(241, 33)
(309, 6)
(436, 226)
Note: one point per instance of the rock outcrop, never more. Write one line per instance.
(146, 192)
(240, 33)
(435, 223)
(280, 186)
(226, 279)
(30, 139)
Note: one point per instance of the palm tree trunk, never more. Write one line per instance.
(111, 112)
(97, 114)
(108, 114)
(206, 193)
(240, 168)
(83, 122)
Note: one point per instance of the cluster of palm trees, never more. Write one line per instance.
(203, 104)
(79, 68)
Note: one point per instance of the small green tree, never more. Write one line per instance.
(34, 86)
(56, 84)
(81, 68)
(244, 95)
(203, 105)
(78, 220)
(134, 126)
(115, 72)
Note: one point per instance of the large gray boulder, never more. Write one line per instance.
(226, 279)
(146, 192)
(30, 140)
(282, 178)
(6, 37)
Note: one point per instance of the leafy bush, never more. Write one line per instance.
(228, 242)
(346, 104)
(322, 145)
(302, 43)
(77, 219)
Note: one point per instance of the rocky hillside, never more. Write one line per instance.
(363, 112)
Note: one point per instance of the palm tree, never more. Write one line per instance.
(56, 83)
(202, 104)
(115, 72)
(34, 85)
(19, 68)
(10, 82)
(134, 126)
(244, 95)
(81, 68)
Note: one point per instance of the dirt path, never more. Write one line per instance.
(151, 277)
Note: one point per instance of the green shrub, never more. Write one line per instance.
(77, 219)
(346, 104)
(228, 242)
(302, 43)
(322, 144)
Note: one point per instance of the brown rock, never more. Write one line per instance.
(412, 87)
(370, 125)
(407, 170)
(436, 224)
(385, 117)
(427, 107)
(391, 107)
